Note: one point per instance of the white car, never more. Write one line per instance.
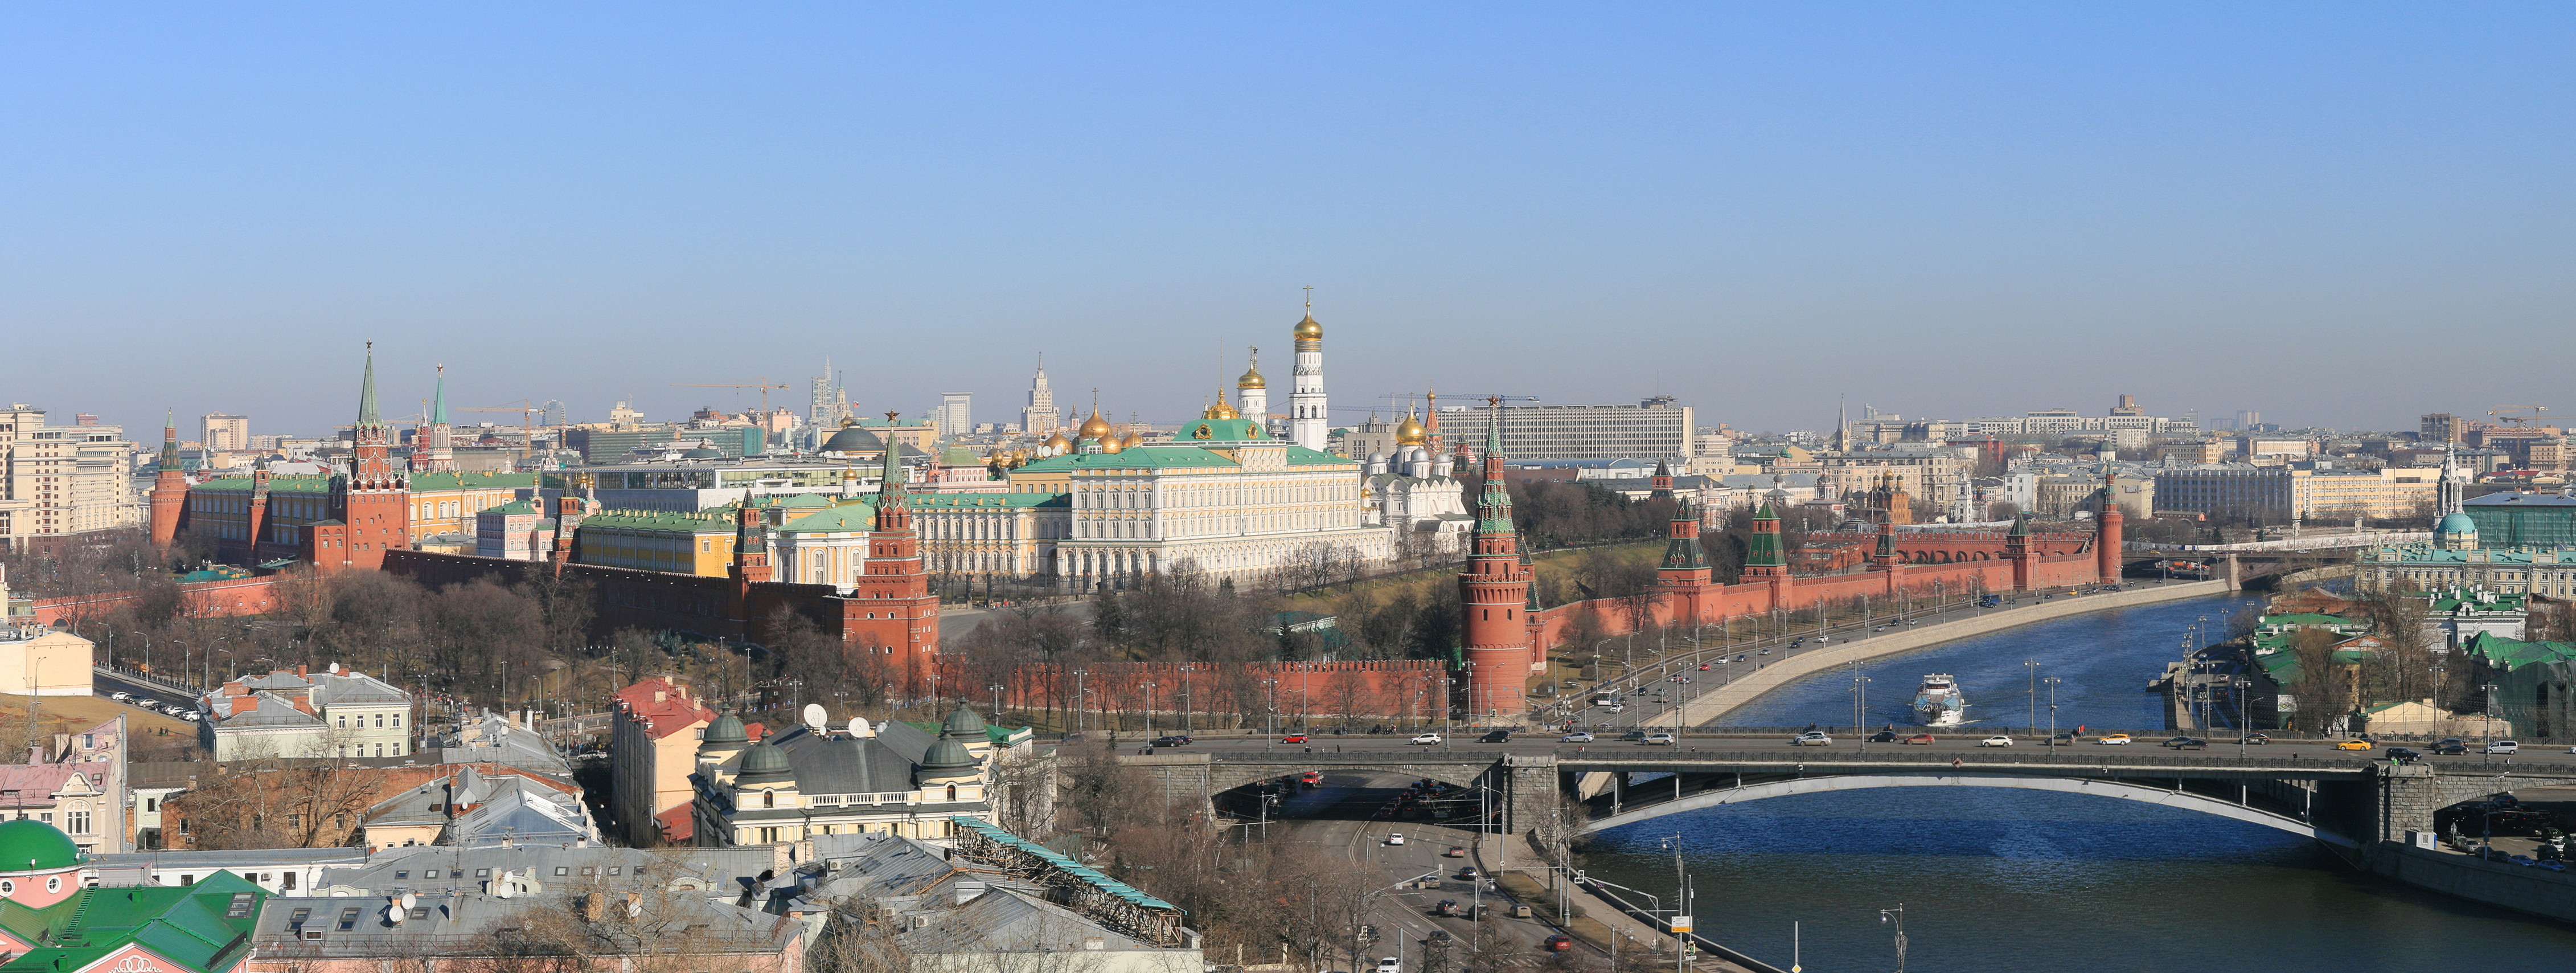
(1658, 739)
(1427, 739)
(1395, 838)
(1390, 964)
(1811, 738)
(120, 697)
(2504, 746)
(1577, 736)
(148, 703)
(191, 717)
(1997, 741)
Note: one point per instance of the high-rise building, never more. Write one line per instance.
(2128, 407)
(1654, 429)
(2247, 419)
(827, 406)
(226, 434)
(1039, 417)
(2441, 427)
(1307, 424)
(57, 481)
(956, 414)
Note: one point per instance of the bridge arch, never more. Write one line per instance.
(2064, 785)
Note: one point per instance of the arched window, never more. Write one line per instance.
(769, 799)
(952, 792)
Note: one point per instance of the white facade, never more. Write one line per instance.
(956, 414)
(1040, 417)
(62, 480)
(1307, 424)
(1234, 508)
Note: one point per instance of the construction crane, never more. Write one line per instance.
(527, 428)
(2511, 419)
(763, 385)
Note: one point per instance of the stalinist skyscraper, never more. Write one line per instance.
(1307, 425)
(1040, 417)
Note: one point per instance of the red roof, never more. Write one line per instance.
(674, 712)
(678, 824)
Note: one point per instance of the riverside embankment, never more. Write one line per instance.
(1714, 704)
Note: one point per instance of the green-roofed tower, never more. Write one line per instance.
(1495, 593)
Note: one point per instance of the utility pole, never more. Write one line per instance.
(1899, 914)
(2032, 721)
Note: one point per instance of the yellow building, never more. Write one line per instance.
(445, 503)
(698, 543)
(57, 662)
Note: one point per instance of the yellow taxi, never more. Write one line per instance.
(2352, 744)
(2114, 740)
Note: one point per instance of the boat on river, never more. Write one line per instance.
(1938, 703)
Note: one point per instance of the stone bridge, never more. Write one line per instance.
(2359, 805)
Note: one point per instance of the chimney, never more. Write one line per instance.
(299, 669)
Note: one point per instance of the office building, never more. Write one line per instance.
(1657, 428)
(225, 433)
(956, 415)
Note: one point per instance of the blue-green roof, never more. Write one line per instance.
(855, 516)
(970, 501)
(201, 927)
(1139, 458)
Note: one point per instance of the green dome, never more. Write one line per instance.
(764, 764)
(947, 754)
(34, 846)
(2456, 522)
(963, 725)
(727, 729)
(852, 439)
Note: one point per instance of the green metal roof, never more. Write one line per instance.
(426, 482)
(698, 523)
(970, 501)
(856, 516)
(1301, 456)
(27, 845)
(201, 927)
(1139, 458)
(276, 484)
(2510, 654)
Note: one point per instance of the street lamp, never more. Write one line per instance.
(1149, 709)
(1899, 914)
(2052, 682)
(1860, 695)
(2031, 723)
(2486, 720)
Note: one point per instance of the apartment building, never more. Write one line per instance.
(1655, 428)
(60, 481)
(2304, 491)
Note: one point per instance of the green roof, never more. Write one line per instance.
(698, 523)
(513, 507)
(859, 515)
(276, 484)
(200, 927)
(2510, 654)
(34, 846)
(2309, 618)
(970, 501)
(1139, 458)
(424, 482)
(1301, 456)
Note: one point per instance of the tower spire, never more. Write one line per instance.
(367, 392)
(438, 404)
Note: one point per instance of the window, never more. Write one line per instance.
(45, 816)
(79, 822)
(151, 805)
(397, 721)
(348, 918)
(432, 873)
(588, 870)
(380, 721)
(405, 873)
(286, 883)
(482, 873)
(53, 883)
(615, 869)
(561, 870)
(187, 879)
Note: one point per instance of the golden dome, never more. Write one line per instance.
(1113, 443)
(1409, 432)
(1220, 410)
(1308, 330)
(1055, 444)
(1094, 427)
(1252, 380)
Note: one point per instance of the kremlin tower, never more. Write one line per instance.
(2106, 548)
(1495, 591)
(891, 609)
(433, 445)
(371, 503)
(169, 488)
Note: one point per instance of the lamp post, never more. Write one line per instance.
(2031, 723)
(2244, 720)
(1149, 709)
(1899, 914)
(1860, 696)
(187, 658)
(996, 690)
(1079, 698)
(2052, 682)
(2486, 721)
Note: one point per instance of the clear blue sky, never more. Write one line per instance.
(2338, 213)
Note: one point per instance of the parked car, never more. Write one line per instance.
(1811, 738)
(1577, 736)
(1920, 739)
(2402, 753)
(1558, 943)
(1427, 739)
(147, 703)
(2503, 746)
(1293, 738)
(1496, 736)
(2352, 745)
(1995, 741)
(1658, 740)
(1390, 964)
(120, 697)
(191, 717)
(2114, 740)
(2553, 864)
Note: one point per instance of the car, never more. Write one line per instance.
(1920, 739)
(2553, 864)
(1577, 736)
(173, 710)
(1438, 936)
(1455, 851)
(2401, 753)
(1170, 741)
(1390, 964)
(1703, 667)
(2525, 861)
(2066, 737)
(1617, 707)
(2114, 740)
(148, 703)
(1395, 837)
(2455, 749)
(2187, 743)
(1658, 740)
(120, 697)
(2352, 745)
(1468, 873)
(2256, 739)
(1883, 736)
(1995, 741)
(1811, 738)
(1426, 739)
(1445, 907)
(1767, 651)
(1558, 943)
(2457, 740)
(191, 717)
(1632, 736)
(1496, 736)
(1293, 738)
(2503, 746)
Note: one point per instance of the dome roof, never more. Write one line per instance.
(852, 439)
(764, 764)
(34, 846)
(1308, 330)
(1094, 427)
(1220, 410)
(2457, 523)
(1113, 443)
(964, 724)
(947, 754)
(1409, 432)
(1252, 379)
(1055, 441)
(726, 729)
(703, 451)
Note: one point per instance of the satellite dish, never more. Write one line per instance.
(859, 728)
(408, 900)
(815, 717)
(335, 668)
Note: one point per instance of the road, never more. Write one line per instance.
(1966, 745)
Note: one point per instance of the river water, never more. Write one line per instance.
(1998, 881)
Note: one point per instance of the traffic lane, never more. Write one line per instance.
(107, 686)
(1404, 917)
